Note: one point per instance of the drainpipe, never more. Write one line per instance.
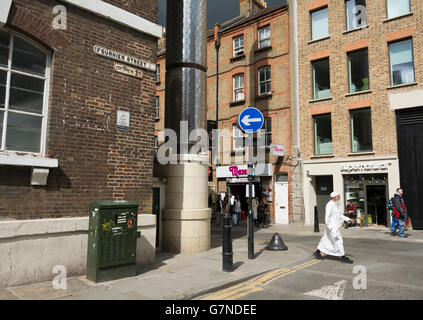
(217, 47)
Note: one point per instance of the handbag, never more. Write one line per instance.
(408, 225)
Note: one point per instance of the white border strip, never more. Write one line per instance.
(28, 161)
(118, 15)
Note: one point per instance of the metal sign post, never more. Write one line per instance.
(250, 121)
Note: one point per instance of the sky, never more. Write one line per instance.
(217, 10)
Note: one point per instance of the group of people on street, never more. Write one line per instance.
(332, 243)
(232, 205)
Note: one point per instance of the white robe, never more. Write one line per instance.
(331, 242)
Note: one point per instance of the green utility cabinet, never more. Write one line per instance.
(112, 240)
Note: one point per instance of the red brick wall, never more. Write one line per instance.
(95, 160)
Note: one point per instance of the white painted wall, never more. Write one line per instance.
(29, 249)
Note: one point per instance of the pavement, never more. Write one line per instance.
(189, 276)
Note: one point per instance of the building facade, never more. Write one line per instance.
(248, 61)
(356, 57)
(77, 90)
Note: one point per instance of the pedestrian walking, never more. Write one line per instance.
(219, 210)
(262, 208)
(400, 214)
(332, 242)
(237, 212)
(254, 209)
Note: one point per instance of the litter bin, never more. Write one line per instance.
(112, 240)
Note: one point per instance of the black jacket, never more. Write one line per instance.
(400, 206)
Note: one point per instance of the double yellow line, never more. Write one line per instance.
(251, 286)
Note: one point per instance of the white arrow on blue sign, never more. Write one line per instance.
(251, 120)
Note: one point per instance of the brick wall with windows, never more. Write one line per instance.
(355, 83)
(96, 161)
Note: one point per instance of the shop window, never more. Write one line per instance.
(319, 24)
(321, 79)
(396, 8)
(23, 84)
(264, 37)
(238, 137)
(322, 134)
(401, 61)
(356, 13)
(157, 108)
(264, 77)
(238, 44)
(238, 83)
(358, 67)
(361, 130)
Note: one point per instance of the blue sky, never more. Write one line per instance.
(217, 10)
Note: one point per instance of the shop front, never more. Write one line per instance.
(366, 184)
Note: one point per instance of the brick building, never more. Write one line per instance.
(359, 66)
(252, 69)
(77, 89)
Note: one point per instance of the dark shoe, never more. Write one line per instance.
(317, 255)
(393, 234)
(346, 260)
(403, 237)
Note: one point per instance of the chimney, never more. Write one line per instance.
(249, 7)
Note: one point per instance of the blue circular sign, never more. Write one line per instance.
(251, 120)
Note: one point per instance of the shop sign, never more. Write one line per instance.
(237, 171)
(365, 167)
(122, 120)
(277, 150)
(129, 71)
(121, 57)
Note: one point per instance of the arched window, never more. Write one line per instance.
(24, 70)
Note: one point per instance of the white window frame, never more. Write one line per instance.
(392, 17)
(156, 144)
(6, 110)
(265, 81)
(238, 50)
(157, 108)
(237, 133)
(158, 73)
(264, 42)
(412, 57)
(238, 92)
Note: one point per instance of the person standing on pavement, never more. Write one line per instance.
(332, 242)
(350, 212)
(219, 208)
(254, 210)
(400, 214)
(237, 213)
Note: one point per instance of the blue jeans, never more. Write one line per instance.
(401, 228)
(394, 225)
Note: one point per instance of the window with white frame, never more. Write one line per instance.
(264, 80)
(319, 24)
(396, 8)
(238, 45)
(264, 37)
(356, 13)
(401, 62)
(239, 87)
(238, 137)
(24, 71)
(156, 144)
(158, 73)
(157, 108)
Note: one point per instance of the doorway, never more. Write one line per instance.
(281, 199)
(324, 187)
(377, 212)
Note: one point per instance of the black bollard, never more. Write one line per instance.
(316, 220)
(276, 244)
(227, 255)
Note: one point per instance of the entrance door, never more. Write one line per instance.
(410, 155)
(156, 211)
(324, 187)
(377, 212)
(281, 199)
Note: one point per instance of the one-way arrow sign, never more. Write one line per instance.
(250, 120)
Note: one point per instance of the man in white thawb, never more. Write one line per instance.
(331, 242)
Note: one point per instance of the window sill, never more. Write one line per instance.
(263, 49)
(27, 161)
(317, 40)
(358, 93)
(322, 156)
(360, 153)
(264, 96)
(402, 85)
(236, 103)
(356, 29)
(397, 17)
(323, 99)
(236, 58)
